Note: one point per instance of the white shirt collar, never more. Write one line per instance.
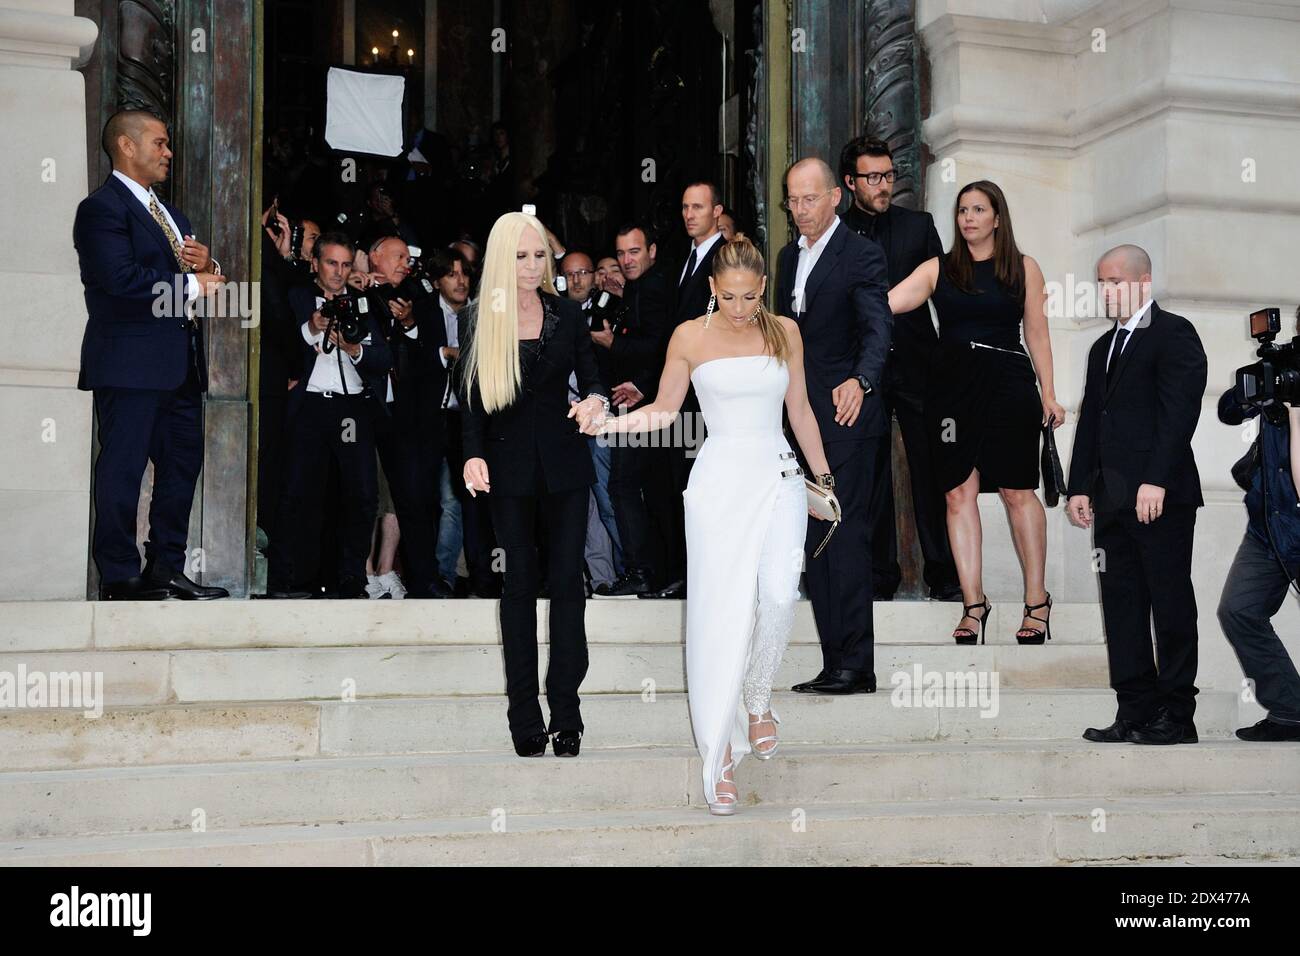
(138, 191)
(1132, 322)
(820, 244)
(702, 248)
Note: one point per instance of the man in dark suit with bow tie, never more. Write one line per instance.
(835, 285)
(143, 357)
(1133, 476)
(908, 238)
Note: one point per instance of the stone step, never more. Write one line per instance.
(1208, 830)
(326, 791)
(322, 673)
(196, 733)
(52, 625)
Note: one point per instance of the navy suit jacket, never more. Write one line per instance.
(135, 337)
(846, 327)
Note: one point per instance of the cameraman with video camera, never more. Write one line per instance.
(334, 402)
(1269, 556)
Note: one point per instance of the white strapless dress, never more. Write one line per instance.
(746, 524)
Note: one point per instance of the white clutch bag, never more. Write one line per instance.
(823, 503)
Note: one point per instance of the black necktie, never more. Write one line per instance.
(690, 269)
(1120, 336)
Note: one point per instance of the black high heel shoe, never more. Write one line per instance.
(966, 635)
(566, 743)
(1032, 635)
(533, 746)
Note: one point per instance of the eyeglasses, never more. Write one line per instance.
(578, 272)
(792, 203)
(873, 179)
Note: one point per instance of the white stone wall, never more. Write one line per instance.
(44, 421)
(1148, 140)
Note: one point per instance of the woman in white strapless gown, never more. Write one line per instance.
(746, 509)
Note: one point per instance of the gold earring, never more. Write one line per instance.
(754, 318)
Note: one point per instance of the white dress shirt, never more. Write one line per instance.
(808, 256)
(453, 341)
(325, 374)
(1129, 325)
(145, 196)
(701, 250)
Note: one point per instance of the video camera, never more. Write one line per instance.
(1273, 382)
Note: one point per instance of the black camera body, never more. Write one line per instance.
(1273, 382)
(606, 307)
(346, 314)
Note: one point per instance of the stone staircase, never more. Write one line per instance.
(351, 732)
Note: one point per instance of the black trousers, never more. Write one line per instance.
(410, 451)
(136, 426)
(903, 395)
(339, 428)
(478, 539)
(631, 486)
(515, 518)
(835, 580)
(1147, 573)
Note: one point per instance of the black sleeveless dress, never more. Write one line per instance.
(982, 404)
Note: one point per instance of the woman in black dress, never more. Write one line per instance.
(983, 406)
(520, 343)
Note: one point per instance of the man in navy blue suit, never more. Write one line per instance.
(142, 356)
(835, 284)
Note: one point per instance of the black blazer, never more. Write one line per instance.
(691, 300)
(535, 426)
(908, 238)
(1139, 429)
(420, 380)
(642, 331)
(376, 359)
(846, 327)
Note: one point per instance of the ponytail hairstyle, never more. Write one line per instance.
(492, 359)
(742, 254)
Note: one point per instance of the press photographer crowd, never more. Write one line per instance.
(409, 448)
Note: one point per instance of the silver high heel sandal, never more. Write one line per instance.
(726, 804)
(770, 752)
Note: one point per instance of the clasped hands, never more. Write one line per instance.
(590, 413)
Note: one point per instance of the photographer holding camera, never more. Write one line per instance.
(410, 439)
(333, 406)
(1269, 556)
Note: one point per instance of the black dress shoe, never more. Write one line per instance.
(1270, 730)
(630, 584)
(134, 589)
(181, 586)
(1116, 733)
(846, 682)
(285, 594)
(950, 592)
(533, 746)
(675, 590)
(566, 743)
(437, 590)
(1164, 728)
(806, 686)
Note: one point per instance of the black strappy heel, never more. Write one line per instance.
(1035, 636)
(966, 635)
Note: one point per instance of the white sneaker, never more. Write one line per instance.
(374, 587)
(393, 585)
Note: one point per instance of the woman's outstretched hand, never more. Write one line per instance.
(590, 413)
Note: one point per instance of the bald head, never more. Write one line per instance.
(132, 124)
(812, 166)
(1131, 260)
(1124, 279)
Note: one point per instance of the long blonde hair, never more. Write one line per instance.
(492, 359)
(740, 253)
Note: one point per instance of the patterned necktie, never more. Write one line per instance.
(1120, 336)
(156, 211)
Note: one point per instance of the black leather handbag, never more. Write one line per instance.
(1053, 474)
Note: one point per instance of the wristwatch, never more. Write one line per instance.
(866, 386)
